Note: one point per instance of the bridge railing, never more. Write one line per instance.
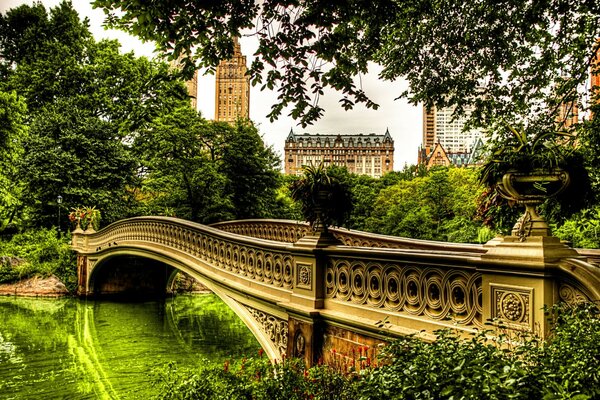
(291, 231)
(454, 284)
(382, 286)
(262, 261)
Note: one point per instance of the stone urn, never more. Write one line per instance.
(531, 189)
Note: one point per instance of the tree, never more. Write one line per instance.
(42, 52)
(72, 153)
(181, 176)
(12, 132)
(86, 103)
(207, 171)
(251, 171)
(504, 57)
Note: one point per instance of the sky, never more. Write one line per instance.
(403, 120)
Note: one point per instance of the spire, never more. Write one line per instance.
(291, 137)
(387, 135)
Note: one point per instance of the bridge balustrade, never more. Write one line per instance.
(303, 297)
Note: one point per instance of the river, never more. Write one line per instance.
(76, 349)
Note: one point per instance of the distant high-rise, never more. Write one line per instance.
(192, 89)
(191, 84)
(440, 127)
(232, 89)
(595, 74)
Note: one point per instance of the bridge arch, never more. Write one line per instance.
(196, 271)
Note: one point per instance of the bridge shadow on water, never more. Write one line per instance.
(131, 278)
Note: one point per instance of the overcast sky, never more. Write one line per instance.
(403, 120)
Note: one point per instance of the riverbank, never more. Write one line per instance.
(53, 287)
(35, 287)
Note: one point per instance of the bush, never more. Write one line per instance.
(566, 365)
(582, 229)
(41, 252)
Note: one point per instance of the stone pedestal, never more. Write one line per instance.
(518, 280)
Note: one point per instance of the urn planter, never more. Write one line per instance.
(531, 189)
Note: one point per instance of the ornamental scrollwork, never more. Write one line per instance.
(430, 292)
(570, 295)
(276, 329)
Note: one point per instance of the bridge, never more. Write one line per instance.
(306, 294)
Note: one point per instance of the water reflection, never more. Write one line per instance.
(66, 348)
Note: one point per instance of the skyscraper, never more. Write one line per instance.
(232, 89)
(191, 84)
(192, 88)
(440, 127)
(595, 74)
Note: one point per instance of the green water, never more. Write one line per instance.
(76, 349)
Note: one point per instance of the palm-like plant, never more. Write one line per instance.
(529, 166)
(521, 150)
(324, 198)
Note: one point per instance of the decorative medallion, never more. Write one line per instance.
(512, 305)
(304, 276)
(300, 344)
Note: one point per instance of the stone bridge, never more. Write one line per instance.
(306, 294)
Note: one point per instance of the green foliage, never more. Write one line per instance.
(12, 132)
(85, 104)
(254, 378)
(502, 57)
(42, 253)
(74, 153)
(251, 173)
(567, 365)
(439, 206)
(206, 171)
(448, 368)
(582, 229)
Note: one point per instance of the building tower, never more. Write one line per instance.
(232, 89)
(428, 126)
(595, 75)
(192, 89)
(191, 84)
(441, 127)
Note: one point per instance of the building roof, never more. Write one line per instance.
(345, 138)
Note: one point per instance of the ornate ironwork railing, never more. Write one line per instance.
(291, 231)
(259, 260)
(442, 287)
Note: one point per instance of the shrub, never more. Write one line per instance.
(42, 253)
(566, 365)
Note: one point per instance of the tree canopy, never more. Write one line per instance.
(515, 59)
